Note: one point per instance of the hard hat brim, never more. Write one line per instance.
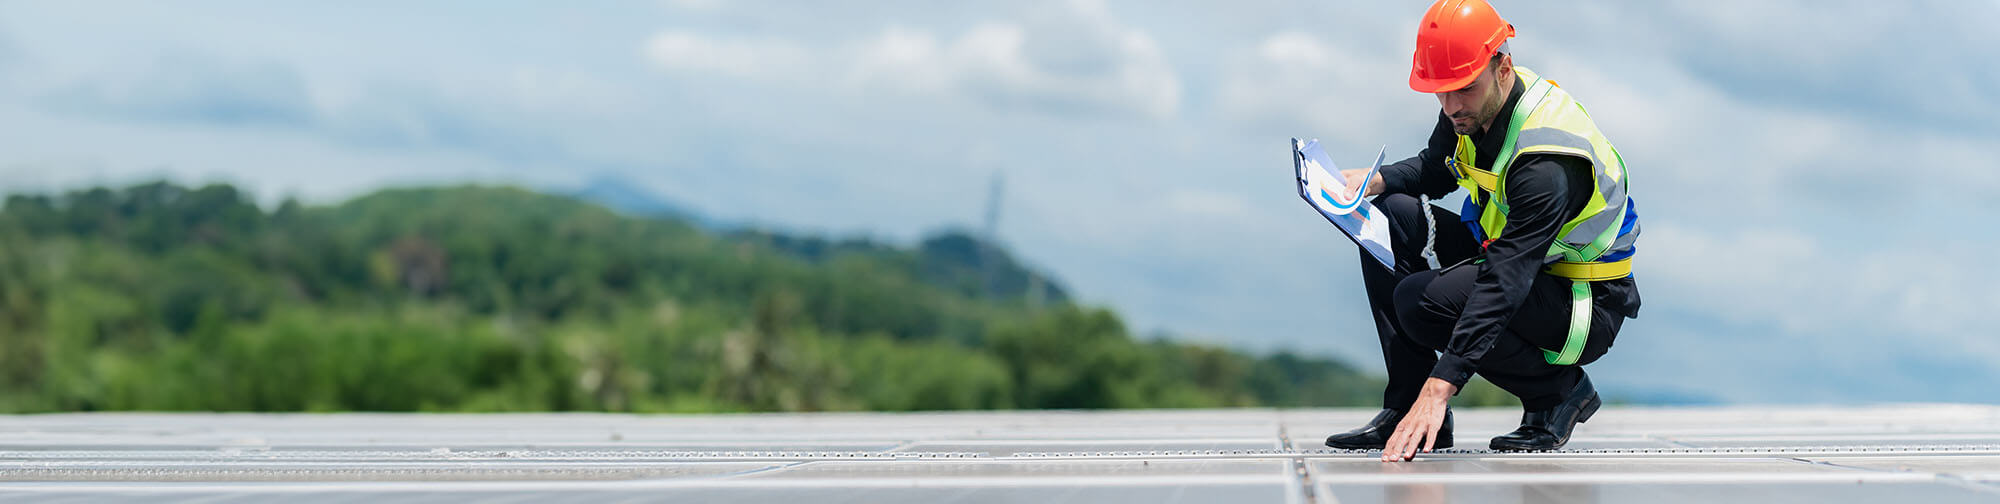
(1423, 85)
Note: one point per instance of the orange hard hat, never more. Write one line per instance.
(1454, 41)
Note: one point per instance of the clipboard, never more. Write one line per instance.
(1320, 185)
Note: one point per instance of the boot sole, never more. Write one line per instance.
(1355, 446)
(1589, 409)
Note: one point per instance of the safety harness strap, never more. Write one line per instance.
(1486, 180)
(1530, 100)
(1581, 274)
(1591, 271)
(1579, 326)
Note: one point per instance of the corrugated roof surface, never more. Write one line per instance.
(1915, 453)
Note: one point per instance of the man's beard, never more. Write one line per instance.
(1486, 112)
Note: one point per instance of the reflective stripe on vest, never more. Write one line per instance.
(1598, 244)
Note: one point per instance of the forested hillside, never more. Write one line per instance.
(162, 297)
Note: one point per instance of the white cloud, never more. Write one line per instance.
(1817, 55)
(993, 62)
(1071, 60)
(741, 57)
(1738, 299)
(1799, 282)
(1294, 83)
(1823, 230)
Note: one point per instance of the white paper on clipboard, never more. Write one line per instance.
(1321, 185)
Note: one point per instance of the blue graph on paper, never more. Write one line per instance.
(1321, 185)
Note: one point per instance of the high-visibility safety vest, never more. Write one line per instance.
(1595, 246)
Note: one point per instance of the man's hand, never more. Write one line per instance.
(1353, 181)
(1419, 427)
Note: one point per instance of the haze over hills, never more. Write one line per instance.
(628, 197)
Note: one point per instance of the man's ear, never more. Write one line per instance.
(1506, 67)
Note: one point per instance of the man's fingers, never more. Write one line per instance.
(1412, 436)
(1419, 440)
(1393, 450)
(1404, 440)
(1352, 189)
(1431, 433)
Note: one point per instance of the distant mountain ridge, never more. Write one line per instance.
(951, 259)
(954, 259)
(626, 196)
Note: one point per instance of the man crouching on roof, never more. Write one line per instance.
(1537, 281)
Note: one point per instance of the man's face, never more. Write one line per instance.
(1472, 107)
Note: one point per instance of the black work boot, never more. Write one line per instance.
(1376, 434)
(1549, 429)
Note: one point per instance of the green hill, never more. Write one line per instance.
(162, 297)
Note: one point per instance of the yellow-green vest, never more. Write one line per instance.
(1598, 244)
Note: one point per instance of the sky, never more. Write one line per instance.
(1812, 176)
